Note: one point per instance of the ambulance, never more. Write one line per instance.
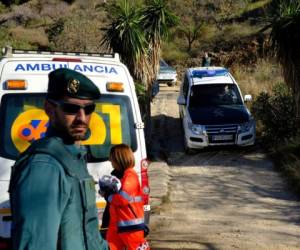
(117, 118)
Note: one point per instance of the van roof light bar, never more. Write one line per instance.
(9, 52)
(208, 72)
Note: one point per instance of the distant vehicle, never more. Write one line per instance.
(166, 74)
(212, 110)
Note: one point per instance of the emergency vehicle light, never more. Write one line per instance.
(209, 72)
(65, 59)
(115, 86)
(15, 85)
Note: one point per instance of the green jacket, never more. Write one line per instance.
(53, 200)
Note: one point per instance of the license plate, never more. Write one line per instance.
(222, 137)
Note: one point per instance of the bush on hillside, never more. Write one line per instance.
(76, 33)
(276, 113)
(36, 37)
(6, 38)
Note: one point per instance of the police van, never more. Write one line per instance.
(213, 111)
(117, 118)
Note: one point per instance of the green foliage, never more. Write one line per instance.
(157, 19)
(171, 53)
(75, 33)
(6, 39)
(283, 19)
(277, 114)
(283, 16)
(55, 29)
(125, 34)
(2, 8)
(141, 93)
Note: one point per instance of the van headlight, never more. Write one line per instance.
(196, 129)
(247, 126)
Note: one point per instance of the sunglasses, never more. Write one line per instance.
(72, 108)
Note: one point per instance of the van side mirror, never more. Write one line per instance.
(248, 98)
(181, 100)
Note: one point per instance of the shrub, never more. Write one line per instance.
(171, 53)
(276, 113)
(261, 78)
(7, 39)
(32, 36)
(2, 8)
(76, 33)
(55, 30)
(141, 93)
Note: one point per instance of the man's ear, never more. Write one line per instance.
(49, 109)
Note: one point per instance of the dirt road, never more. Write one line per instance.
(224, 198)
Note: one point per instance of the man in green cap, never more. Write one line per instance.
(51, 192)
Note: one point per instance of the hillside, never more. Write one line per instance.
(229, 30)
(57, 25)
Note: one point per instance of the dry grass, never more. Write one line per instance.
(31, 36)
(237, 30)
(260, 78)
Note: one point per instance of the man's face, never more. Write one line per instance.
(71, 117)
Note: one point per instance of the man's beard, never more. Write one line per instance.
(78, 135)
(70, 134)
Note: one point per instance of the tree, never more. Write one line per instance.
(157, 19)
(191, 32)
(125, 36)
(284, 22)
(136, 33)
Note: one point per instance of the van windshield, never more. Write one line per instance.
(214, 95)
(23, 120)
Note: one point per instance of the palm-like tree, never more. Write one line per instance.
(285, 36)
(136, 34)
(157, 20)
(125, 35)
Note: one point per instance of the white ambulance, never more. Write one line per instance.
(117, 118)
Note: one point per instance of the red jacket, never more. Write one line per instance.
(126, 207)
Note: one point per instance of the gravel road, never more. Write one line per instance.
(219, 198)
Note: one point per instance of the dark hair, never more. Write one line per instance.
(123, 156)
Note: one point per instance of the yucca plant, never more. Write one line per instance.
(125, 36)
(157, 20)
(284, 22)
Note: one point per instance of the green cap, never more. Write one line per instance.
(67, 82)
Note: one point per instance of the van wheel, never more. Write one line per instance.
(170, 84)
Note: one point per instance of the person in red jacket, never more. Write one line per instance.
(126, 224)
